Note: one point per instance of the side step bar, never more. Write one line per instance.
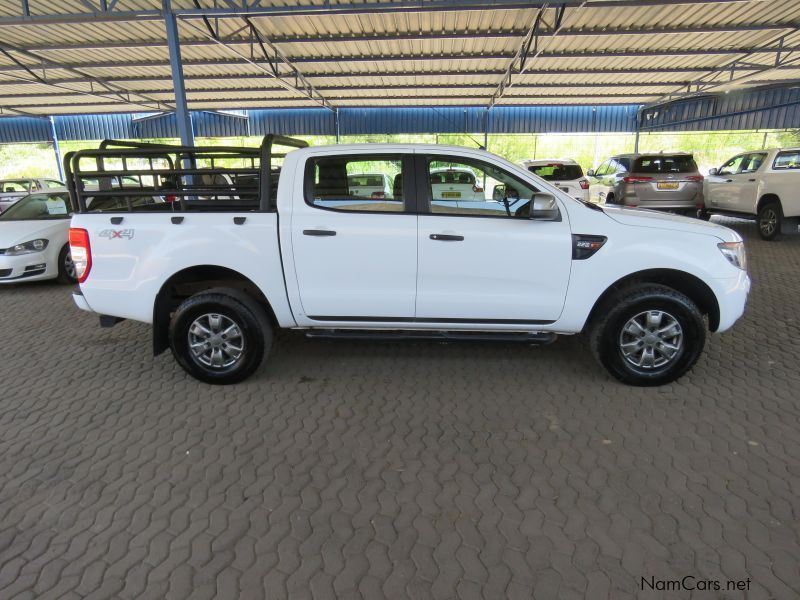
(539, 338)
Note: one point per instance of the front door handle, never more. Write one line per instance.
(729, 181)
(445, 237)
(319, 232)
(751, 179)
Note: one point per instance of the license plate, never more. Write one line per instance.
(451, 194)
(667, 185)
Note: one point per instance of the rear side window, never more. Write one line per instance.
(356, 183)
(787, 160)
(557, 172)
(665, 164)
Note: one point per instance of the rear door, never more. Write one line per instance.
(486, 261)
(355, 255)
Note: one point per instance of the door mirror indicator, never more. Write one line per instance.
(713, 171)
(544, 208)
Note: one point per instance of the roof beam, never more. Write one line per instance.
(404, 36)
(107, 11)
(425, 58)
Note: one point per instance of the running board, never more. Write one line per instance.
(539, 338)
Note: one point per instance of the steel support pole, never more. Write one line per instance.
(182, 114)
(56, 148)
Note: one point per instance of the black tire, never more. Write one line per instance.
(610, 199)
(703, 214)
(66, 270)
(770, 219)
(606, 333)
(232, 306)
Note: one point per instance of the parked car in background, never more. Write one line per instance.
(565, 174)
(34, 239)
(662, 181)
(764, 185)
(34, 233)
(455, 183)
(370, 185)
(12, 190)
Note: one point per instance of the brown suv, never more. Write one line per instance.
(661, 181)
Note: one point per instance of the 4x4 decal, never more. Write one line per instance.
(114, 234)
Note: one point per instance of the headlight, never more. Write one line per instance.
(734, 252)
(27, 248)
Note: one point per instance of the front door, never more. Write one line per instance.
(744, 197)
(355, 250)
(484, 260)
(722, 189)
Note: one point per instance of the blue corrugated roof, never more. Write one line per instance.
(776, 108)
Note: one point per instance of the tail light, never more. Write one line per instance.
(170, 198)
(584, 183)
(477, 189)
(81, 252)
(694, 178)
(378, 195)
(634, 179)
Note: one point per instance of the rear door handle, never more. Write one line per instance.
(319, 232)
(751, 180)
(444, 237)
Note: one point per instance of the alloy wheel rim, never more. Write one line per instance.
(216, 341)
(769, 222)
(652, 339)
(69, 266)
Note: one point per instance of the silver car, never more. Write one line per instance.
(11, 190)
(663, 181)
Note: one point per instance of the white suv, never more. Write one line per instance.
(764, 184)
(565, 174)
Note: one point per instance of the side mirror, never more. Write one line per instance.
(544, 208)
(590, 173)
(713, 171)
(499, 192)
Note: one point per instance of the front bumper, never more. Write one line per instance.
(25, 267)
(732, 297)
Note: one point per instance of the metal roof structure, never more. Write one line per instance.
(111, 56)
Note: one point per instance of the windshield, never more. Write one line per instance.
(557, 172)
(14, 185)
(37, 207)
(665, 164)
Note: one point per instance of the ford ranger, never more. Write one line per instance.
(232, 243)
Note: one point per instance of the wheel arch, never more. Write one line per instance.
(768, 197)
(190, 281)
(686, 283)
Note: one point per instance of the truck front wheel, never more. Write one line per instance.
(648, 335)
(220, 336)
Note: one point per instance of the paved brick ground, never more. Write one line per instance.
(405, 471)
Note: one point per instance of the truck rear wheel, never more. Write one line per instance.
(648, 335)
(220, 336)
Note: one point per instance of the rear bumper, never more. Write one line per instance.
(81, 302)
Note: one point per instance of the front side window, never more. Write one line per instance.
(356, 183)
(787, 160)
(603, 169)
(465, 187)
(752, 162)
(732, 166)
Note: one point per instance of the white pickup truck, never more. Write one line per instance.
(218, 268)
(763, 184)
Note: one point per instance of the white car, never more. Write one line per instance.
(34, 239)
(525, 263)
(763, 184)
(455, 183)
(565, 174)
(11, 190)
(376, 186)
